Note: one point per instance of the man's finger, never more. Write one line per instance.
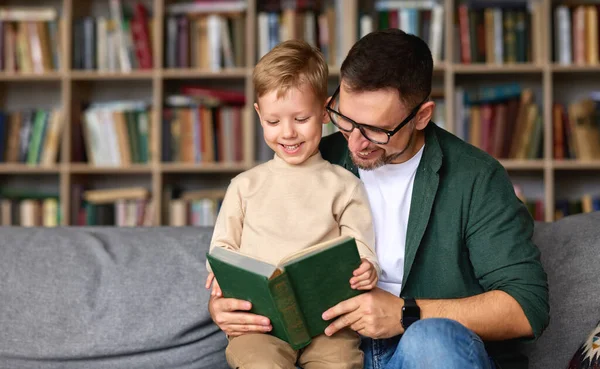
(343, 307)
(346, 320)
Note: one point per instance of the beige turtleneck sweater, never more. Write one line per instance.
(277, 208)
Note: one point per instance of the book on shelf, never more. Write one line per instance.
(30, 39)
(198, 208)
(423, 18)
(534, 206)
(500, 32)
(29, 208)
(203, 125)
(120, 42)
(31, 136)
(503, 120)
(576, 129)
(203, 40)
(116, 133)
(122, 207)
(576, 34)
(295, 292)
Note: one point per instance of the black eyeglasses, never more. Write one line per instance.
(374, 134)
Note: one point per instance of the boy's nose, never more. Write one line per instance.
(288, 130)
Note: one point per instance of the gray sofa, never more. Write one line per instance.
(134, 297)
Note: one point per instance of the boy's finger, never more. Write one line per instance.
(209, 280)
(364, 266)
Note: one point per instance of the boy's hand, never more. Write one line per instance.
(365, 276)
(216, 290)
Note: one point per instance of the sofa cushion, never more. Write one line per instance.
(588, 354)
(570, 251)
(106, 298)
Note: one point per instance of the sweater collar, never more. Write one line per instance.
(314, 162)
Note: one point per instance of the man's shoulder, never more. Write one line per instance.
(334, 148)
(461, 157)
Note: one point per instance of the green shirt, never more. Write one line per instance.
(467, 233)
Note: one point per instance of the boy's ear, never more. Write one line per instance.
(257, 109)
(326, 118)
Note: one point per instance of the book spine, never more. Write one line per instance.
(289, 311)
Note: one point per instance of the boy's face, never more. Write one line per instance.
(292, 124)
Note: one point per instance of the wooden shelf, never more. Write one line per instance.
(204, 167)
(558, 68)
(81, 75)
(511, 164)
(202, 73)
(84, 168)
(16, 76)
(577, 165)
(8, 168)
(497, 68)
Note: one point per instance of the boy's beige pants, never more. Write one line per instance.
(264, 351)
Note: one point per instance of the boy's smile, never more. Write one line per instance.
(292, 123)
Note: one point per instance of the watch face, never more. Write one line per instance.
(410, 314)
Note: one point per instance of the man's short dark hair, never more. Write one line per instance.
(390, 58)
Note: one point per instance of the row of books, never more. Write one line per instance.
(576, 37)
(500, 32)
(502, 120)
(191, 207)
(207, 41)
(584, 204)
(31, 136)
(577, 129)
(121, 42)
(30, 212)
(123, 207)
(424, 18)
(320, 23)
(203, 125)
(117, 133)
(30, 40)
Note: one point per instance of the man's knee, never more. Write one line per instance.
(437, 337)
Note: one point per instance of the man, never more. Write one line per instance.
(461, 281)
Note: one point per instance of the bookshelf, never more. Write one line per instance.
(69, 87)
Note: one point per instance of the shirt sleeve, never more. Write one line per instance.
(499, 239)
(356, 221)
(228, 226)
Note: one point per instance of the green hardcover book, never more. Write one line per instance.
(294, 293)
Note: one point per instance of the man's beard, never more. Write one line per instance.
(383, 159)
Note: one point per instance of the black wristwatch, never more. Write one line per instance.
(410, 312)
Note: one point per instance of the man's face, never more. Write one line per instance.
(383, 109)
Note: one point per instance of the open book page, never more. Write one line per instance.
(304, 253)
(247, 262)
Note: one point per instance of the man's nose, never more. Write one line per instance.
(356, 141)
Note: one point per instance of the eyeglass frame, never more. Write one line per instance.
(362, 126)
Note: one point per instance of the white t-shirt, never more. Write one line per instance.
(389, 189)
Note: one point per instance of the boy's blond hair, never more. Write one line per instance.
(291, 64)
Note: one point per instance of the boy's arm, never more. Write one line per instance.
(228, 226)
(356, 221)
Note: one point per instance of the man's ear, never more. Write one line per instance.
(424, 115)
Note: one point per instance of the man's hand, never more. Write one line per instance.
(229, 316)
(374, 314)
(365, 276)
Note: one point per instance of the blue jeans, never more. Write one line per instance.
(428, 343)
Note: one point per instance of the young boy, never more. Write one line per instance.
(293, 201)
